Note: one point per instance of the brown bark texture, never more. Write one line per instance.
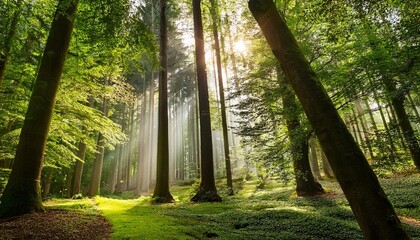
(22, 193)
(306, 184)
(161, 192)
(222, 97)
(374, 213)
(207, 190)
(78, 170)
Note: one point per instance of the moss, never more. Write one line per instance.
(20, 198)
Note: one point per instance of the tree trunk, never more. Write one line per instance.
(161, 192)
(314, 160)
(77, 179)
(215, 21)
(326, 167)
(142, 135)
(306, 185)
(413, 106)
(95, 180)
(47, 185)
(359, 132)
(207, 190)
(22, 193)
(374, 213)
(387, 130)
(360, 114)
(397, 101)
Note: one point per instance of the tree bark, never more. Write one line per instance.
(95, 180)
(374, 213)
(22, 193)
(161, 192)
(306, 185)
(207, 190)
(326, 167)
(78, 171)
(222, 96)
(397, 101)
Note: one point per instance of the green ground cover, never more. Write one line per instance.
(271, 213)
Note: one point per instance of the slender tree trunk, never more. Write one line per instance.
(413, 106)
(384, 122)
(215, 20)
(372, 119)
(373, 211)
(326, 167)
(141, 157)
(7, 44)
(394, 121)
(78, 171)
(161, 193)
(47, 185)
(314, 160)
(95, 180)
(306, 184)
(360, 114)
(397, 101)
(22, 193)
(207, 191)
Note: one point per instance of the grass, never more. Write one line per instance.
(272, 213)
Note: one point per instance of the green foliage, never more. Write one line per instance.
(4, 176)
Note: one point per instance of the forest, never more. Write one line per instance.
(162, 119)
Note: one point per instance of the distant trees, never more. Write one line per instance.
(22, 193)
(372, 209)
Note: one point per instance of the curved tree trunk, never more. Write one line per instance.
(207, 191)
(161, 192)
(374, 213)
(22, 193)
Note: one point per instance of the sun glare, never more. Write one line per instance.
(239, 47)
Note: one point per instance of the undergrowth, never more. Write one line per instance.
(274, 212)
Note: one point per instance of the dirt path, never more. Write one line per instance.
(55, 224)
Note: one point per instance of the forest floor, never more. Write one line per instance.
(55, 224)
(274, 212)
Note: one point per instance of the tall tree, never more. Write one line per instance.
(207, 191)
(95, 180)
(306, 184)
(215, 21)
(161, 192)
(22, 193)
(374, 213)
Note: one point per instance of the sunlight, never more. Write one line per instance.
(188, 40)
(239, 47)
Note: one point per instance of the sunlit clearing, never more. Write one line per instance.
(239, 47)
